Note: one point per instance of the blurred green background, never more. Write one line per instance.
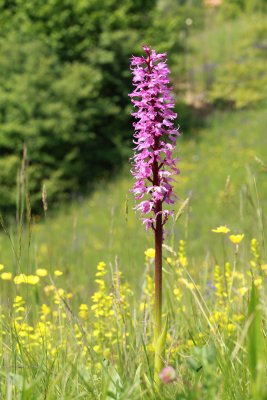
(64, 84)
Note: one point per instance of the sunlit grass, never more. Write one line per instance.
(217, 169)
(77, 286)
(104, 341)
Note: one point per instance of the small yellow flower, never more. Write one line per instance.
(48, 289)
(21, 278)
(1, 267)
(61, 292)
(141, 306)
(45, 310)
(84, 307)
(190, 343)
(18, 299)
(58, 273)
(18, 309)
(41, 272)
(97, 348)
(231, 327)
(258, 281)
(221, 229)
(83, 311)
(238, 317)
(101, 266)
(236, 239)
(150, 253)
(32, 279)
(53, 351)
(243, 290)
(6, 276)
(96, 332)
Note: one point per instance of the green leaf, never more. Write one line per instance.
(256, 346)
(115, 385)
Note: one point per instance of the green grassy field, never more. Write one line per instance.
(87, 333)
(218, 167)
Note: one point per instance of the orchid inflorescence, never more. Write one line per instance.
(155, 136)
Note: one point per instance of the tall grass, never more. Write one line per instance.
(87, 333)
(61, 342)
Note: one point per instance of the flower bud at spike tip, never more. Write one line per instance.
(155, 136)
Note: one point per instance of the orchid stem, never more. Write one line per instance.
(158, 276)
(158, 293)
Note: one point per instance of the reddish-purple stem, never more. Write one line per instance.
(158, 248)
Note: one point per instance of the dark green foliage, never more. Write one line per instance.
(64, 91)
(64, 84)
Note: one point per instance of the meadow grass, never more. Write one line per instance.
(55, 345)
(217, 169)
(77, 320)
(88, 332)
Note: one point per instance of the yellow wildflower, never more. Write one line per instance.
(45, 310)
(238, 317)
(221, 229)
(190, 343)
(29, 279)
(101, 266)
(177, 293)
(32, 279)
(258, 281)
(243, 290)
(53, 351)
(150, 253)
(41, 272)
(96, 332)
(217, 316)
(97, 348)
(58, 273)
(83, 311)
(231, 327)
(182, 258)
(142, 306)
(21, 278)
(6, 276)
(236, 239)
(61, 292)
(48, 289)
(18, 300)
(18, 309)
(1, 267)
